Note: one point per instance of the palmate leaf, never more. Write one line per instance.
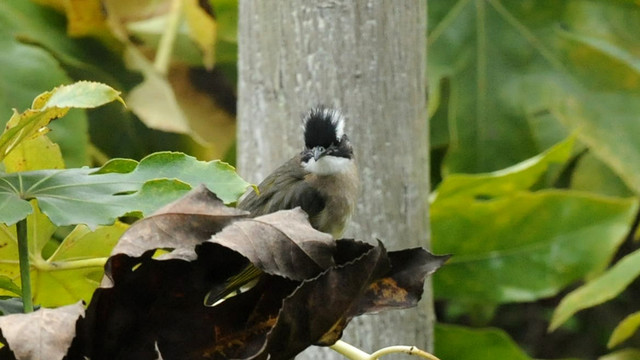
(52, 105)
(525, 246)
(511, 244)
(461, 343)
(511, 66)
(98, 196)
(624, 330)
(74, 269)
(601, 289)
(487, 50)
(519, 177)
(624, 354)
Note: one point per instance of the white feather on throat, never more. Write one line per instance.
(327, 165)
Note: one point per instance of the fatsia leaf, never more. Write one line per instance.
(156, 302)
(525, 246)
(601, 289)
(52, 105)
(625, 329)
(37, 55)
(515, 178)
(98, 196)
(461, 343)
(34, 154)
(166, 114)
(485, 49)
(509, 65)
(7, 283)
(54, 330)
(624, 354)
(614, 145)
(74, 269)
(510, 244)
(202, 28)
(12, 305)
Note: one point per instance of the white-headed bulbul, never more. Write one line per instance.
(322, 180)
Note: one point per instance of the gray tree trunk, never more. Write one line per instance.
(367, 57)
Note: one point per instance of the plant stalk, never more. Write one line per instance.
(349, 351)
(353, 353)
(165, 47)
(25, 266)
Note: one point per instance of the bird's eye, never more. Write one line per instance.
(321, 148)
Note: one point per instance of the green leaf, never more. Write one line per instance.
(7, 284)
(608, 124)
(72, 272)
(625, 329)
(625, 354)
(525, 246)
(98, 196)
(502, 182)
(82, 94)
(52, 105)
(489, 52)
(156, 102)
(509, 244)
(38, 55)
(509, 65)
(461, 343)
(34, 154)
(601, 289)
(11, 306)
(593, 175)
(75, 270)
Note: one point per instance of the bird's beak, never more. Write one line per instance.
(317, 153)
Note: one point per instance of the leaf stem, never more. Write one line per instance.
(349, 351)
(72, 264)
(165, 48)
(409, 350)
(23, 255)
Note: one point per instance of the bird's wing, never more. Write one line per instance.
(285, 188)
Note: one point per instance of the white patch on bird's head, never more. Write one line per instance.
(337, 120)
(327, 165)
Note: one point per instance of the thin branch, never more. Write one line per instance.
(404, 349)
(351, 352)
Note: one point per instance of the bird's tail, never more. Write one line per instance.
(234, 285)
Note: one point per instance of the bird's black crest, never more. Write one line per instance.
(323, 127)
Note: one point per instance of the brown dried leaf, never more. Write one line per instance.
(182, 224)
(282, 243)
(43, 334)
(319, 310)
(311, 287)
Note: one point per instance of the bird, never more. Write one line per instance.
(322, 180)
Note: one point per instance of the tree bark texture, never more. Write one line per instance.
(368, 58)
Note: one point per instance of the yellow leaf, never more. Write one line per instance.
(35, 153)
(85, 17)
(625, 329)
(202, 28)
